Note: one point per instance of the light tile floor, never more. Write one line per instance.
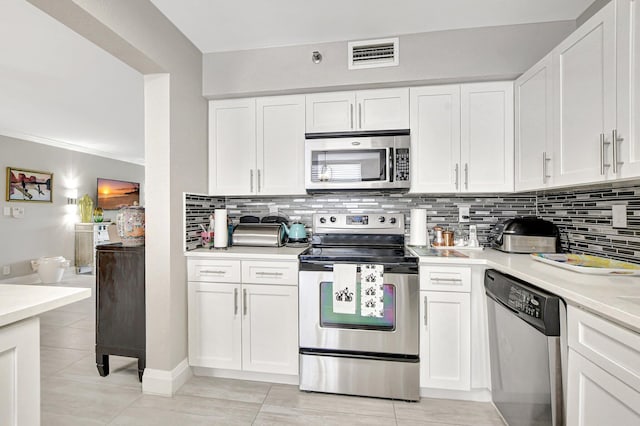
(73, 393)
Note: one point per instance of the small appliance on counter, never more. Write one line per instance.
(527, 234)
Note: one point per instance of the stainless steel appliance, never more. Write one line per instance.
(354, 353)
(527, 345)
(258, 235)
(377, 160)
(525, 235)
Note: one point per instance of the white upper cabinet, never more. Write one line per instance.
(380, 109)
(256, 146)
(486, 137)
(232, 147)
(435, 139)
(533, 131)
(462, 138)
(628, 88)
(585, 72)
(280, 144)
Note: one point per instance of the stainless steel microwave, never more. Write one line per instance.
(377, 160)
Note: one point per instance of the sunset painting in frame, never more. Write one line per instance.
(29, 185)
(115, 194)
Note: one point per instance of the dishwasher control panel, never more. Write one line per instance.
(523, 300)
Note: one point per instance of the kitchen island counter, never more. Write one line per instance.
(614, 297)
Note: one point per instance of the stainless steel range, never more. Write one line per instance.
(359, 312)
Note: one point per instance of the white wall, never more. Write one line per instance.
(491, 53)
(47, 228)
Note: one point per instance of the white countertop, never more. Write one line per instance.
(259, 253)
(20, 301)
(614, 297)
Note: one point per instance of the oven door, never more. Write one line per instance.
(396, 332)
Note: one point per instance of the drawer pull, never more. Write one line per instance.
(244, 300)
(204, 271)
(270, 274)
(426, 315)
(447, 280)
(235, 301)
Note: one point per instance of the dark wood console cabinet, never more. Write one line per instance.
(120, 305)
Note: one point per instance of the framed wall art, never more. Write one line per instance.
(29, 185)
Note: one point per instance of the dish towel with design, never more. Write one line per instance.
(344, 288)
(371, 291)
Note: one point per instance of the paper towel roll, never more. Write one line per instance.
(418, 227)
(221, 233)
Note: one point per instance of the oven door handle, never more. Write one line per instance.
(330, 265)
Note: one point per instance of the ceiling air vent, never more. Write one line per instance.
(373, 53)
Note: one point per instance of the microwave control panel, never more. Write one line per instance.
(402, 164)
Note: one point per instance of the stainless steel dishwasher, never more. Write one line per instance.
(527, 344)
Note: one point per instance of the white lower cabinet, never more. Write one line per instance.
(445, 327)
(244, 326)
(603, 378)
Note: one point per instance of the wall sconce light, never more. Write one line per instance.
(316, 57)
(72, 200)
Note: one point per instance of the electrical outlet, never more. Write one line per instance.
(463, 214)
(17, 212)
(619, 215)
(6, 270)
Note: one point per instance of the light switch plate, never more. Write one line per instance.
(619, 215)
(7, 211)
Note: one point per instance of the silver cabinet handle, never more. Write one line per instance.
(270, 274)
(251, 179)
(446, 280)
(603, 143)
(360, 116)
(457, 173)
(351, 115)
(259, 178)
(426, 316)
(244, 301)
(466, 175)
(205, 271)
(616, 155)
(545, 175)
(235, 301)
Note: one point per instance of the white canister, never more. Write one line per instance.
(50, 269)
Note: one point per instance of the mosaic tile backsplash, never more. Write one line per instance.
(583, 215)
(585, 221)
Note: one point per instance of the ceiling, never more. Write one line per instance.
(60, 89)
(223, 25)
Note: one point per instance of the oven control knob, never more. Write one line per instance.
(392, 220)
(381, 219)
(333, 219)
(323, 220)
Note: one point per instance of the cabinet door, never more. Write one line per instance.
(280, 143)
(487, 137)
(628, 86)
(584, 66)
(445, 340)
(232, 147)
(435, 139)
(215, 325)
(270, 328)
(330, 112)
(595, 397)
(534, 130)
(382, 109)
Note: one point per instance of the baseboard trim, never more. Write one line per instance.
(246, 375)
(163, 382)
(481, 395)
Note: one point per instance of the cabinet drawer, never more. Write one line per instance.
(270, 272)
(445, 278)
(210, 270)
(610, 346)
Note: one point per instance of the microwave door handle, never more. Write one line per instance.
(391, 158)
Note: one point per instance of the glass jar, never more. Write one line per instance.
(98, 214)
(131, 225)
